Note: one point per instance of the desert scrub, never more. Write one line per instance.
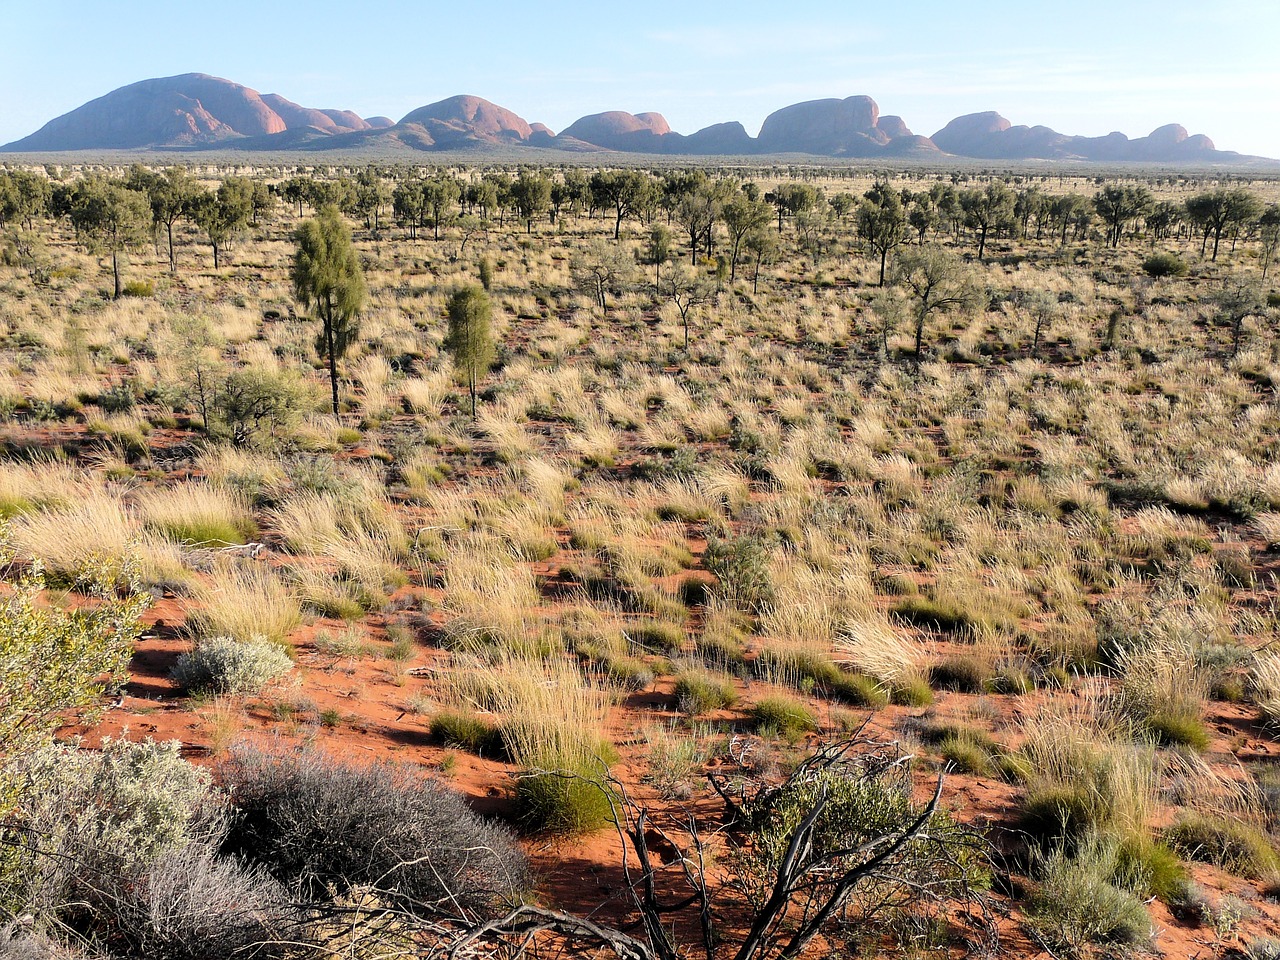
(243, 601)
(549, 716)
(102, 816)
(1161, 691)
(197, 514)
(698, 692)
(1078, 903)
(223, 665)
(1079, 779)
(1234, 845)
(468, 731)
(322, 826)
(783, 716)
(1264, 689)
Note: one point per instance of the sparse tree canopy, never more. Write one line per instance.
(329, 281)
(741, 216)
(1119, 204)
(223, 214)
(531, 195)
(882, 224)
(109, 216)
(935, 281)
(470, 336)
(625, 192)
(1219, 211)
(988, 210)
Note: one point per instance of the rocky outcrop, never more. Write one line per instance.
(833, 128)
(191, 108)
(618, 130)
(195, 111)
(326, 121)
(990, 136)
(467, 119)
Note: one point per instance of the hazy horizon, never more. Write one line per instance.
(1097, 69)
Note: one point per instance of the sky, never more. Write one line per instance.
(1087, 67)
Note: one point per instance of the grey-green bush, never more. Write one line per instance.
(227, 665)
(318, 825)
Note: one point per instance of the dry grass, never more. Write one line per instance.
(244, 600)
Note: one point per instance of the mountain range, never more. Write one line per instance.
(195, 111)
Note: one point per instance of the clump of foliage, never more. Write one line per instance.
(56, 662)
(224, 665)
(319, 826)
(1164, 265)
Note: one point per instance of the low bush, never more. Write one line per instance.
(318, 826)
(964, 672)
(782, 714)
(1151, 868)
(224, 665)
(699, 692)
(1233, 845)
(1078, 904)
(912, 690)
(109, 811)
(1164, 265)
(563, 801)
(467, 731)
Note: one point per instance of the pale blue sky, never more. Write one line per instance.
(1086, 67)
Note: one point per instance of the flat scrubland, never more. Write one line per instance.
(686, 533)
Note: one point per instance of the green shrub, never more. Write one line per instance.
(628, 673)
(968, 749)
(741, 567)
(255, 406)
(658, 636)
(857, 690)
(92, 815)
(562, 801)
(1150, 868)
(1164, 265)
(1061, 813)
(911, 691)
(966, 673)
(138, 288)
(1012, 680)
(1077, 904)
(1233, 845)
(224, 665)
(1178, 725)
(466, 731)
(698, 692)
(788, 717)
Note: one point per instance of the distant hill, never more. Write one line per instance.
(195, 111)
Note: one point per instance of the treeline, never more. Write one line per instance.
(713, 215)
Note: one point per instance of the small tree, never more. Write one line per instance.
(1235, 303)
(599, 270)
(988, 211)
(224, 214)
(328, 279)
(531, 195)
(742, 216)
(882, 223)
(1269, 235)
(935, 281)
(761, 246)
(687, 289)
(470, 336)
(657, 251)
(110, 217)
